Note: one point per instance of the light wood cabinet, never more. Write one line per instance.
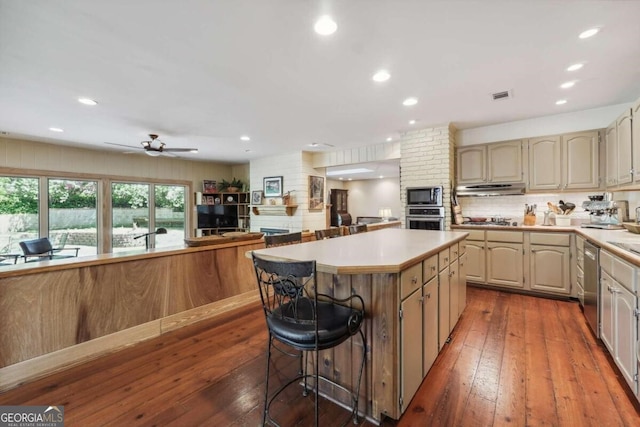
(495, 163)
(564, 162)
(429, 324)
(549, 269)
(635, 136)
(505, 264)
(462, 277)
(618, 322)
(625, 160)
(550, 263)
(476, 258)
(411, 346)
(444, 290)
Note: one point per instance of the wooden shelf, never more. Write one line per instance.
(274, 210)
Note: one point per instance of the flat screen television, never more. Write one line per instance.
(215, 216)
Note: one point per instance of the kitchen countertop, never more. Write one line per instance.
(597, 236)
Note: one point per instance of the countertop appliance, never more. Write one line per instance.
(606, 214)
(591, 285)
(424, 196)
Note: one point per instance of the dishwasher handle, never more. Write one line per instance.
(590, 254)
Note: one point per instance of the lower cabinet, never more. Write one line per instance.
(549, 269)
(505, 264)
(428, 313)
(618, 321)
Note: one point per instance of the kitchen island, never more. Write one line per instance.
(397, 272)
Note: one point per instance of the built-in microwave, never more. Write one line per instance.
(424, 196)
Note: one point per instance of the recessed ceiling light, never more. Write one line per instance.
(381, 176)
(561, 101)
(350, 179)
(410, 101)
(381, 76)
(341, 178)
(325, 25)
(412, 122)
(575, 67)
(567, 85)
(245, 138)
(87, 101)
(56, 129)
(589, 33)
(389, 139)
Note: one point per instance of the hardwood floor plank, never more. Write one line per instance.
(541, 408)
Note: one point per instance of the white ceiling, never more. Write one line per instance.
(203, 73)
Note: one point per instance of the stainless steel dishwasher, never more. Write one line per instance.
(591, 286)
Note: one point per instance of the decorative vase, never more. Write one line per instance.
(232, 189)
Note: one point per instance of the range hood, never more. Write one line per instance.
(503, 189)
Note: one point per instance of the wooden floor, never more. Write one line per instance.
(512, 359)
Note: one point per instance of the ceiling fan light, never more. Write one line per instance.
(152, 153)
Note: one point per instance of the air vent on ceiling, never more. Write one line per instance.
(502, 95)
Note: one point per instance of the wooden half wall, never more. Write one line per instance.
(57, 315)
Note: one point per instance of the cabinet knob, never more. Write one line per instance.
(428, 295)
(433, 268)
(414, 280)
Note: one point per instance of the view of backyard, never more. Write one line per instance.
(72, 215)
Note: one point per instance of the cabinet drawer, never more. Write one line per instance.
(462, 246)
(505, 236)
(410, 280)
(454, 252)
(553, 239)
(606, 262)
(580, 276)
(429, 268)
(580, 243)
(475, 234)
(624, 274)
(443, 259)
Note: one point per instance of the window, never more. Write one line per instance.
(170, 215)
(73, 215)
(130, 215)
(19, 211)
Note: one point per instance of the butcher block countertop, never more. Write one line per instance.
(389, 250)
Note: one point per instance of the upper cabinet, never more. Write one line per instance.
(619, 149)
(635, 133)
(493, 163)
(564, 162)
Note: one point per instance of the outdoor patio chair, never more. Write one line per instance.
(41, 250)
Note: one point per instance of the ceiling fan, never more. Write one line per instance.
(159, 150)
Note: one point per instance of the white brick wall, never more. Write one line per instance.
(427, 159)
(295, 169)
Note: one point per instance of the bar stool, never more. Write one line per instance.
(307, 321)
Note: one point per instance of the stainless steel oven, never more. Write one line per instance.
(425, 218)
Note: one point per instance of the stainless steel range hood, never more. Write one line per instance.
(504, 189)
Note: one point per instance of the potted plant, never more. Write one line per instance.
(231, 187)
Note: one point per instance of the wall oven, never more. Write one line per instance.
(425, 218)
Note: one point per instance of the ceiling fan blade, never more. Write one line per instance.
(179, 150)
(122, 145)
(164, 153)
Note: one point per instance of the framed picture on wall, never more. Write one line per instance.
(316, 193)
(273, 186)
(256, 197)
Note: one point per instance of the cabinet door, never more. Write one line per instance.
(606, 310)
(581, 160)
(505, 264)
(611, 141)
(624, 175)
(443, 307)
(504, 162)
(454, 291)
(550, 269)
(635, 136)
(429, 324)
(462, 277)
(625, 334)
(475, 265)
(410, 346)
(545, 171)
(472, 164)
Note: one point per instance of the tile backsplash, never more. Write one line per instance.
(513, 206)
